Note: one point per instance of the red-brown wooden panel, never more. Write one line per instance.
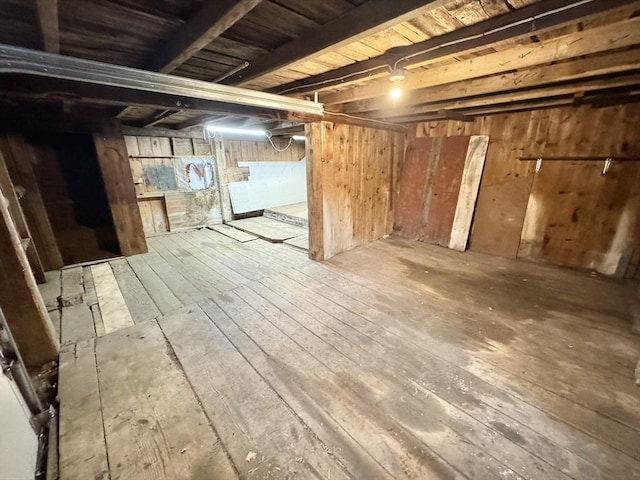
(443, 194)
(410, 202)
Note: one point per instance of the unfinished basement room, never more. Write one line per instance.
(319, 239)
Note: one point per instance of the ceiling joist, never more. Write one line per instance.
(211, 21)
(367, 19)
(592, 41)
(47, 11)
(523, 22)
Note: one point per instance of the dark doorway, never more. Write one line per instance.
(73, 191)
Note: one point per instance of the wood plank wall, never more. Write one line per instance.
(568, 213)
(167, 205)
(352, 180)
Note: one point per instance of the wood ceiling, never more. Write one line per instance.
(463, 57)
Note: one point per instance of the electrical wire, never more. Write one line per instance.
(279, 150)
(437, 47)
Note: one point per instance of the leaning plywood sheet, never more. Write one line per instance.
(115, 314)
(269, 229)
(154, 425)
(270, 184)
(471, 175)
(192, 209)
(234, 233)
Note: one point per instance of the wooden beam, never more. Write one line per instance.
(158, 117)
(213, 19)
(20, 222)
(336, 117)
(20, 157)
(510, 97)
(591, 41)
(49, 26)
(21, 302)
(367, 19)
(118, 182)
(521, 23)
(162, 132)
(315, 158)
(618, 62)
(454, 115)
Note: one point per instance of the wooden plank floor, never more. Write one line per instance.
(394, 360)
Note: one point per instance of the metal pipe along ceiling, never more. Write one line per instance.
(16, 60)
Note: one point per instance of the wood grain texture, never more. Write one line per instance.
(507, 182)
(83, 452)
(114, 310)
(19, 157)
(23, 307)
(351, 174)
(234, 233)
(116, 173)
(154, 425)
(470, 183)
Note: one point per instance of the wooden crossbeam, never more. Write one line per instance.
(520, 23)
(509, 97)
(614, 63)
(47, 11)
(367, 19)
(592, 41)
(213, 19)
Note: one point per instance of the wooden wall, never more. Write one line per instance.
(165, 199)
(352, 177)
(568, 213)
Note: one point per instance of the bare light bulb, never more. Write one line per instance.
(395, 93)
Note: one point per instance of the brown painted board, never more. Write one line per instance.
(444, 191)
(412, 183)
(118, 182)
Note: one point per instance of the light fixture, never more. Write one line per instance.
(395, 93)
(299, 138)
(237, 131)
(396, 76)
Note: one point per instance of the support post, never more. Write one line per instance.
(315, 152)
(118, 182)
(19, 157)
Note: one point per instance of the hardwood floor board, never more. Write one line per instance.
(263, 436)
(448, 382)
(72, 289)
(234, 233)
(589, 422)
(51, 289)
(114, 311)
(170, 270)
(82, 448)
(245, 256)
(211, 262)
(189, 256)
(155, 427)
(140, 304)
(76, 324)
(420, 412)
(268, 228)
(162, 295)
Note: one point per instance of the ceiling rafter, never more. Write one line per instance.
(519, 23)
(595, 40)
(211, 21)
(367, 19)
(47, 11)
(573, 70)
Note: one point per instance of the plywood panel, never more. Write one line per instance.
(506, 183)
(408, 212)
(444, 190)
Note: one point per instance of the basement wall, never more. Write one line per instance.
(568, 213)
(352, 177)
